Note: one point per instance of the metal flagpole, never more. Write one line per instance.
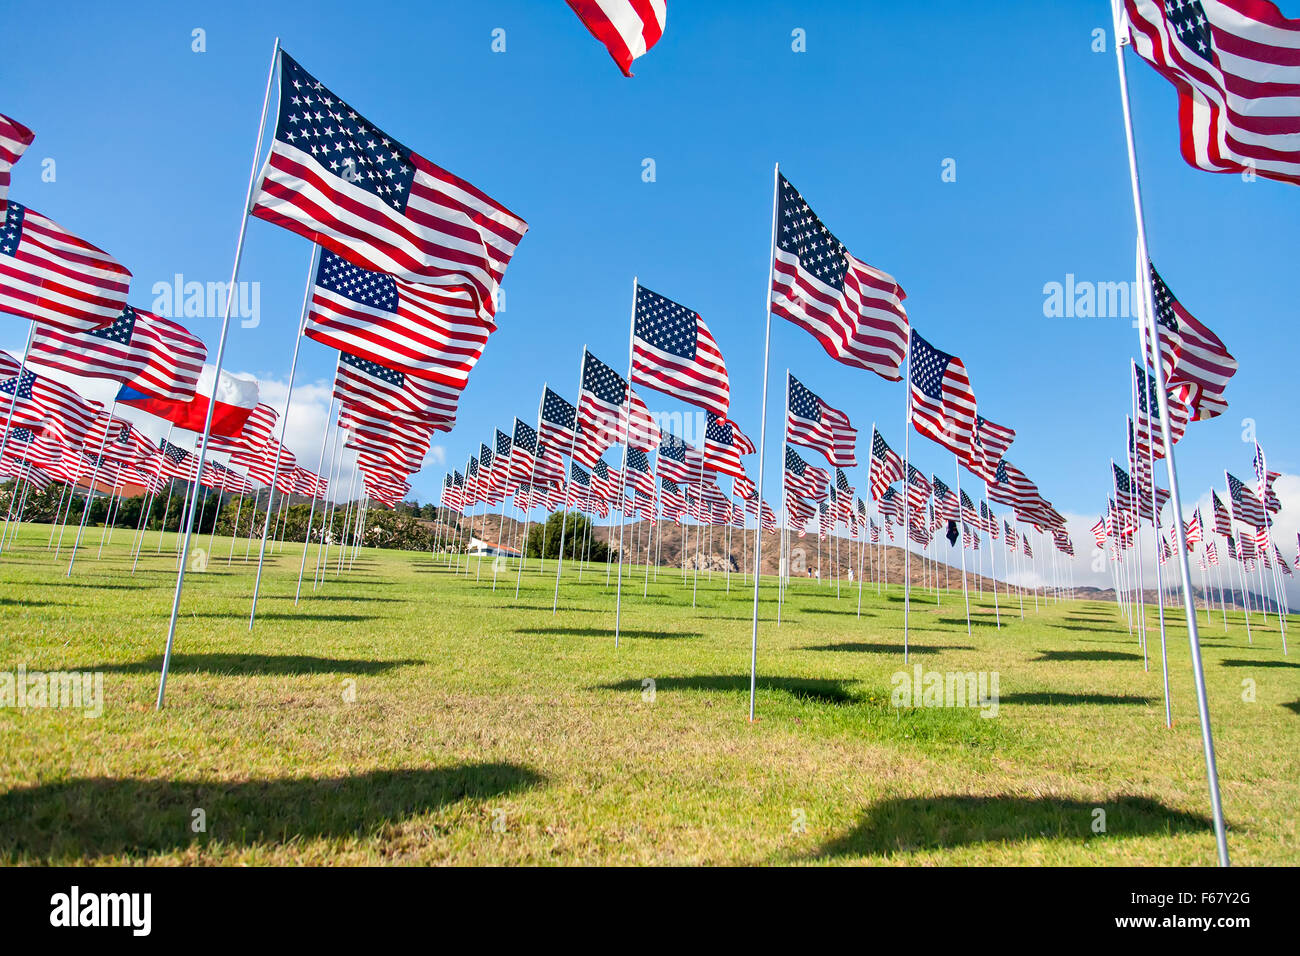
(1155, 524)
(762, 445)
(284, 426)
(320, 466)
(90, 489)
(568, 487)
(907, 466)
(1193, 636)
(622, 492)
(13, 397)
(961, 520)
(216, 373)
(528, 500)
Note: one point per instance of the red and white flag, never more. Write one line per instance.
(854, 310)
(49, 275)
(14, 140)
(1236, 66)
(628, 28)
(151, 355)
(674, 352)
(340, 181)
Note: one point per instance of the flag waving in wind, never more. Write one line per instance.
(674, 352)
(855, 311)
(943, 405)
(340, 181)
(14, 140)
(628, 28)
(1235, 67)
(811, 422)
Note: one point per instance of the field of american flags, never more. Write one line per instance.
(362, 729)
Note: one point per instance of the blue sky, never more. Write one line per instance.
(152, 143)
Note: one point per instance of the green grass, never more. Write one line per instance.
(484, 730)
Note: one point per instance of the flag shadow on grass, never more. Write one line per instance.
(559, 630)
(852, 612)
(1055, 698)
(818, 689)
(1239, 663)
(250, 664)
(100, 816)
(860, 647)
(935, 823)
(1058, 656)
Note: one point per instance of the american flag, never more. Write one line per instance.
(548, 466)
(1233, 63)
(918, 489)
(1222, 520)
(1099, 533)
(968, 512)
(431, 332)
(26, 471)
(813, 423)
(310, 484)
(254, 435)
(1246, 506)
(1024, 541)
(523, 452)
(261, 465)
(885, 468)
(805, 480)
(1281, 561)
(745, 488)
(855, 311)
(798, 512)
(674, 352)
(1011, 486)
(1010, 534)
(639, 474)
(671, 500)
(557, 423)
(1193, 530)
(342, 182)
(991, 444)
(49, 275)
(1212, 554)
(1148, 416)
(177, 462)
(627, 28)
(605, 481)
(945, 500)
(43, 403)
(987, 522)
(453, 492)
(844, 497)
(724, 443)
(1196, 364)
(679, 461)
(609, 412)
(891, 506)
(387, 392)
(1232, 548)
(875, 532)
(14, 140)
(502, 450)
(943, 405)
(152, 355)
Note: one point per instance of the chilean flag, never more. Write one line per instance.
(236, 397)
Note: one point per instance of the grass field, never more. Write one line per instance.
(407, 714)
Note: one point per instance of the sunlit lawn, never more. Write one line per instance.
(405, 713)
